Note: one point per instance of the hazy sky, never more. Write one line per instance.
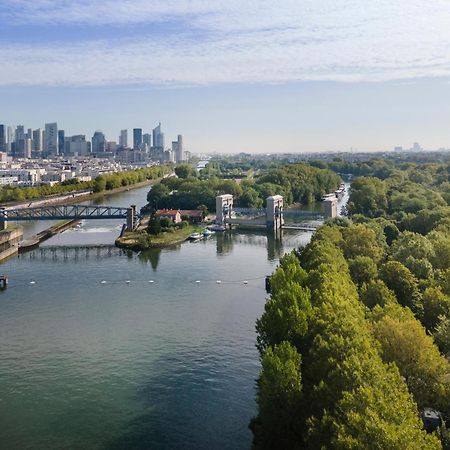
(234, 75)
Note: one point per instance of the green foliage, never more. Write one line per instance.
(362, 269)
(279, 399)
(368, 197)
(375, 292)
(185, 171)
(154, 225)
(405, 342)
(441, 334)
(402, 282)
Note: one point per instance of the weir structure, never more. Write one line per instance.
(67, 212)
(271, 218)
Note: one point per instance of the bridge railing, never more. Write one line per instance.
(59, 212)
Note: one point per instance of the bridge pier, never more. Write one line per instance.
(131, 217)
(274, 212)
(224, 207)
(3, 221)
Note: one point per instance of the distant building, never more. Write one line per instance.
(123, 139)
(172, 214)
(2, 138)
(137, 138)
(10, 139)
(147, 139)
(177, 149)
(111, 146)
(398, 149)
(98, 142)
(61, 142)
(416, 147)
(158, 136)
(51, 147)
(330, 207)
(37, 141)
(76, 145)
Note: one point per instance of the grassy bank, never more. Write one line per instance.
(141, 240)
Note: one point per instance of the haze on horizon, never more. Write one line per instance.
(231, 76)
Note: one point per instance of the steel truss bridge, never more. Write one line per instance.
(61, 212)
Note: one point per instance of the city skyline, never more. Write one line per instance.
(292, 76)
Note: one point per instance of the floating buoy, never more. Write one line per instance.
(32, 282)
(245, 282)
(128, 281)
(150, 281)
(218, 282)
(197, 281)
(103, 282)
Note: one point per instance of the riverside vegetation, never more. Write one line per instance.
(100, 184)
(355, 337)
(190, 190)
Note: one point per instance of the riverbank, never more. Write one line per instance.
(141, 240)
(76, 197)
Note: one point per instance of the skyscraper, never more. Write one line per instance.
(158, 137)
(123, 139)
(137, 138)
(51, 139)
(37, 140)
(98, 142)
(177, 149)
(2, 138)
(147, 139)
(61, 135)
(10, 139)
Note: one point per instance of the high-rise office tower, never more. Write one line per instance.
(61, 135)
(147, 139)
(98, 142)
(51, 139)
(137, 137)
(177, 149)
(123, 139)
(37, 140)
(158, 137)
(2, 138)
(10, 139)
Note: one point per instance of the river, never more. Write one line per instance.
(106, 349)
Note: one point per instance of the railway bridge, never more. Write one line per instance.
(69, 212)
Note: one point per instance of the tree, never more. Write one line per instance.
(403, 283)
(361, 240)
(376, 293)
(362, 269)
(441, 334)
(368, 197)
(405, 342)
(435, 303)
(277, 425)
(185, 171)
(157, 194)
(154, 225)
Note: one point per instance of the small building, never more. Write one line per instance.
(193, 215)
(173, 214)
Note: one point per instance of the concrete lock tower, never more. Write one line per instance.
(330, 207)
(224, 207)
(274, 212)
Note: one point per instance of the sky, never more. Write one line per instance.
(236, 75)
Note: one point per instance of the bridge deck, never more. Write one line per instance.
(60, 212)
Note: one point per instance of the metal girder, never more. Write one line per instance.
(60, 212)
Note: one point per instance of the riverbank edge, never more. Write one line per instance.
(130, 239)
(79, 197)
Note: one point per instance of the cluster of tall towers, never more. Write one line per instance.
(52, 141)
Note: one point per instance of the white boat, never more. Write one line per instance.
(207, 233)
(195, 236)
(217, 228)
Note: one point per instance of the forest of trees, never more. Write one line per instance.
(355, 337)
(101, 183)
(296, 183)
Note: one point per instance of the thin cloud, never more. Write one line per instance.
(252, 41)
